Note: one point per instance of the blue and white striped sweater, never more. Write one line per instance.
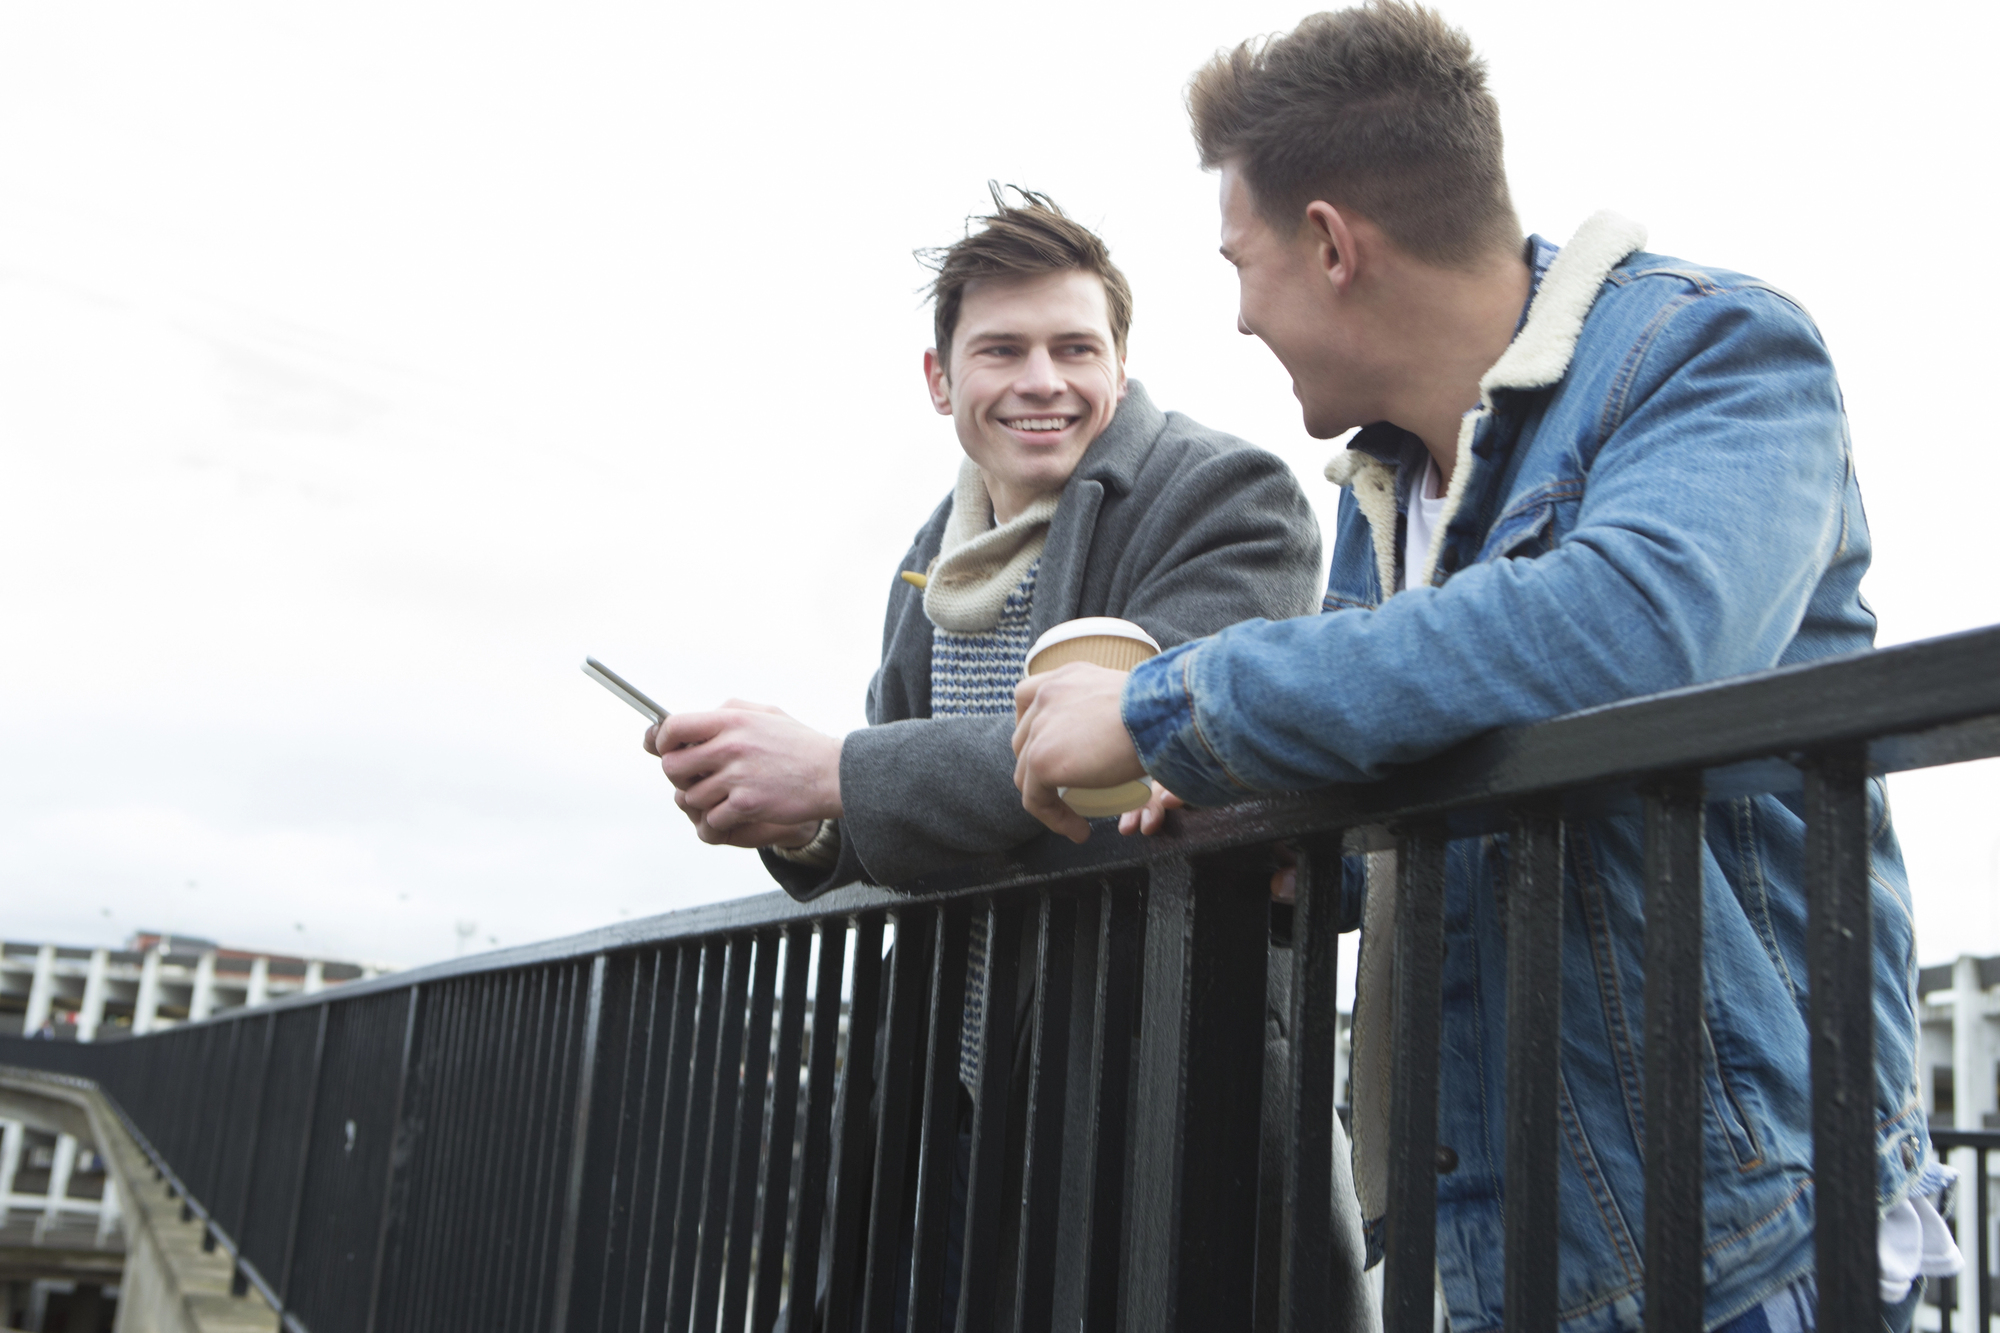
(974, 675)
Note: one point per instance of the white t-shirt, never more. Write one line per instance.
(1420, 527)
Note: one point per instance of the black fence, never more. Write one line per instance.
(751, 1115)
(1969, 1297)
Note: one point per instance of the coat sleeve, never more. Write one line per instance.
(1228, 535)
(1709, 515)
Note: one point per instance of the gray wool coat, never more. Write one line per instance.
(1166, 523)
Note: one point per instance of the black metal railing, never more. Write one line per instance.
(1968, 1296)
(750, 1115)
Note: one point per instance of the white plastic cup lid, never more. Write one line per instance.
(1088, 626)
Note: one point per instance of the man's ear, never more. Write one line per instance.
(1124, 385)
(1326, 229)
(938, 377)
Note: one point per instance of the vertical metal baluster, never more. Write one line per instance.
(784, 1118)
(304, 1160)
(220, 1091)
(1981, 1255)
(1410, 1238)
(731, 1073)
(626, 1268)
(619, 1060)
(694, 1138)
(848, 1204)
(395, 1179)
(1114, 1028)
(1534, 1032)
(813, 1162)
(556, 1134)
(239, 1281)
(937, 1151)
(586, 1087)
(520, 1244)
(757, 1077)
(1840, 956)
(978, 1279)
(494, 1032)
(1048, 1089)
(513, 1167)
(1192, 1243)
(1674, 1023)
(516, 1077)
(439, 1257)
(889, 1201)
(1311, 1291)
(673, 1117)
(1070, 1282)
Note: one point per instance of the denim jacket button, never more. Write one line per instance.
(1447, 1160)
(1909, 1154)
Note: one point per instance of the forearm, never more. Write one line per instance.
(1707, 521)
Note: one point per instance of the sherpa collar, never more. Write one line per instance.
(1538, 357)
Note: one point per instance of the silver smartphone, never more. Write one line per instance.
(617, 684)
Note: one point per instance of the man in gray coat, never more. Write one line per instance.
(1076, 497)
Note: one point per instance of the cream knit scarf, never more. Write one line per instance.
(979, 563)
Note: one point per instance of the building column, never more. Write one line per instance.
(59, 1174)
(146, 1009)
(259, 991)
(12, 1136)
(109, 1211)
(41, 991)
(315, 977)
(96, 985)
(203, 1002)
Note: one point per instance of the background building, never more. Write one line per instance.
(79, 993)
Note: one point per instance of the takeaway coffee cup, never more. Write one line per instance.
(1102, 641)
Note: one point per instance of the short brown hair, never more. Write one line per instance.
(1382, 108)
(1018, 241)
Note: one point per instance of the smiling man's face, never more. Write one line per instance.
(1035, 376)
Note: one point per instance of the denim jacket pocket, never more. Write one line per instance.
(1729, 1121)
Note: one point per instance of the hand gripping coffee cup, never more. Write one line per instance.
(1118, 645)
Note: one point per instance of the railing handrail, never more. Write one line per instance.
(1916, 705)
(1945, 1140)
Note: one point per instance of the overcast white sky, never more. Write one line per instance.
(364, 366)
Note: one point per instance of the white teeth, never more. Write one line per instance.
(1039, 423)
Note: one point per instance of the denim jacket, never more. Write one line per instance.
(1656, 491)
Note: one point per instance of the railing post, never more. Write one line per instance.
(1311, 1295)
(1981, 1255)
(1840, 959)
(938, 1131)
(1090, 1232)
(1192, 1205)
(1534, 1043)
(586, 1082)
(1674, 1027)
(1409, 1282)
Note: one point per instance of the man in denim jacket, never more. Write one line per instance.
(1584, 474)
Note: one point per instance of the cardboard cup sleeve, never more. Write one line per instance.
(1118, 645)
